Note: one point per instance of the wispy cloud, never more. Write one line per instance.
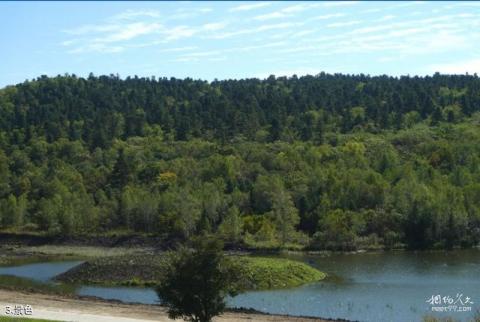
(327, 16)
(214, 26)
(257, 29)
(287, 11)
(131, 14)
(344, 24)
(177, 49)
(339, 3)
(248, 7)
(130, 31)
(299, 32)
(271, 15)
(386, 18)
(99, 48)
(89, 29)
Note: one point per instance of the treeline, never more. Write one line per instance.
(326, 161)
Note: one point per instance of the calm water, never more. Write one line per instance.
(378, 287)
(42, 272)
(366, 287)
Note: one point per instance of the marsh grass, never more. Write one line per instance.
(24, 284)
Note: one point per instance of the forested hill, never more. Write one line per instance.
(98, 110)
(326, 161)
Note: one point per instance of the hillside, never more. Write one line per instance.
(326, 161)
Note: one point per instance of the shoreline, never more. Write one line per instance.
(156, 243)
(86, 308)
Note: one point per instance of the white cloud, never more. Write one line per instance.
(68, 42)
(344, 24)
(202, 54)
(261, 28)
(272, 15)
(371, 10)
(277, 26)
(89, 29)
(386, 18)
(303, 33)
(298, 8)
(286, 12)
(297, 49)
(214, 26)
(387, 59)
(131, 14)
(328, 16)
(339, 3)
(179, 32)
(131, 31)
(381, 33)
(184, 59)
(248, 7)
(99, 48)
(223, 58)
(177, 49)
(410, 3)
(255, 47)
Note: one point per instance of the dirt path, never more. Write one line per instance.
(93, 310)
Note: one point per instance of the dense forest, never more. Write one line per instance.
(325, 161)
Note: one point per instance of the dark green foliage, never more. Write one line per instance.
(330, 161)
(196, 284)
(100, 110)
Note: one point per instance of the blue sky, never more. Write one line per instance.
(224, 40)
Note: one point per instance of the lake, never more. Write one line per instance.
(384, 286)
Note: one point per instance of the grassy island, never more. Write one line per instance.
(147, 270)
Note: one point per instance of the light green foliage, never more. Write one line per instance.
(338, 229)
(285, 215)
(231, 227)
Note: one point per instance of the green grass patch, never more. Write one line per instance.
(15, 319)
(262, 273)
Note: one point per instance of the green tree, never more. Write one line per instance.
(285, 215)
(197, 282)
(231, 227)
